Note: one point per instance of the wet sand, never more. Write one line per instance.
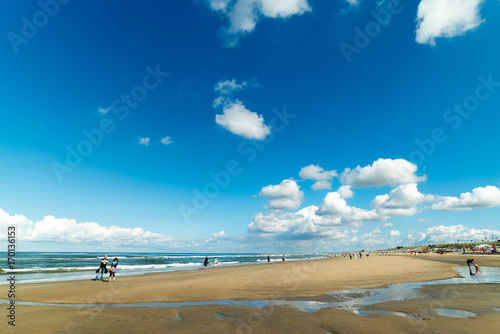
(307, 280)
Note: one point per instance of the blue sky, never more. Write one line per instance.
(228, 125)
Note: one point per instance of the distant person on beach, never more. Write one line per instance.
(205, 263)
(283, 258)
(112, 270)
(360, 255)
(350, 256)
(102, 269)
(216, 262)
(268, 259)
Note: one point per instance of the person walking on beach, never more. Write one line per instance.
(283, 258)
(205, 263)
(350, 256)
(102, 269)
(268, 259)
(360, 255)
(216, 262)
(112, 270)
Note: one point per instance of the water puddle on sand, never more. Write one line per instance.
(351, 300)
(224, 317)
(178, 317)
(444, 312)
(400, 314)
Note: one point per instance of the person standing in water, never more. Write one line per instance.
(268, 259)
(216, 262)
(283, 258)
(205, 263)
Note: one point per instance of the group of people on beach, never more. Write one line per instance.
(360, 255)
(104, 270)
(216, 262)
(205, 262)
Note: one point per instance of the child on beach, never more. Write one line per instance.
(112, 270)
(216, 262)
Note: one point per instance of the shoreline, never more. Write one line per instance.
(245, 282)
(298, 280)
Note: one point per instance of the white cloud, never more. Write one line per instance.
(283, 8)
(345, 192)
(242, 122)
(243, 15)
(64, 231)
(446, 18)
(228, 87)
(166, 140)
(319, 185)
(218, 4)
(286, 195)
(401, 201)
(423, 220)
(303, 224)
(214, 239)
(319, 174)
(480, 198)
(382, 172)
(394, 233)
(353, 2)
(334, 204)
(103, 111)
(144, 141)
(454, 233)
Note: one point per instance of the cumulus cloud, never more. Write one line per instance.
(480, 198)
(300, 225)
(382, 172)
(64, 231)
(334, 204)
(237, 119)
(320, 185)
(446, 18)
(243, 15)
(286, 195)
(401, 201)
(166, 140)
(214, 239)
(144, 141)
(394, 233)
(454, 233)
(319, 174)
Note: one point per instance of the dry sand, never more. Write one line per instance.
(307, 280)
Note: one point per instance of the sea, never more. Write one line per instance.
(40, 267)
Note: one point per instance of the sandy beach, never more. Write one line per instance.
(300, 280)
